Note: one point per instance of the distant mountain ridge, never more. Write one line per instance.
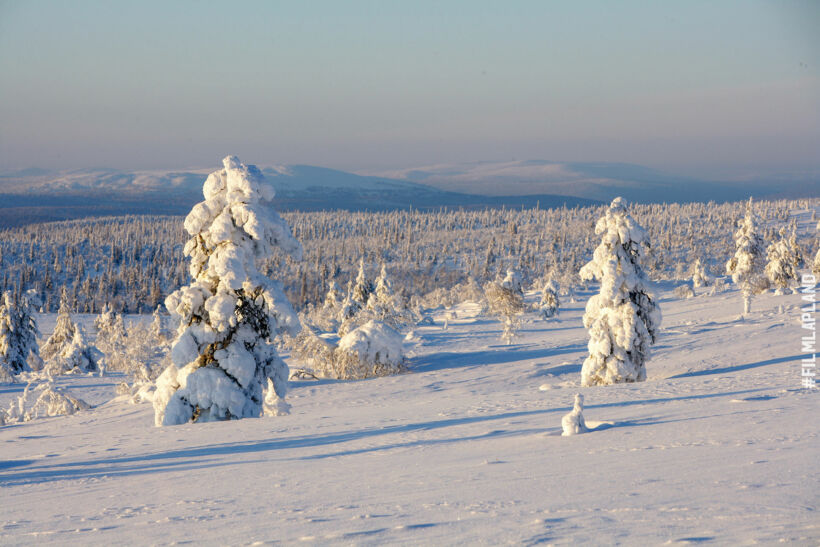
(599, 181)
(36, 195)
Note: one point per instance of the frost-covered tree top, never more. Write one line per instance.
(234, 226)
(623, 318)
(512, 282)
(228, 316)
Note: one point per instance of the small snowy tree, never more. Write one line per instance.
(333, 297)
(63, 331)
(229, 315)
(549, 300)
(382, 298)
(747, 265)
(76, 356)
(18, 334)
(781, 266)
(574, 423)
(700, 278)
(505, 300)
(623, 319)
(158, 331)
(363, 287)
(815, 268)
(112, 340)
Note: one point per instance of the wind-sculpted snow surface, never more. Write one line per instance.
(223, 353)
(623, 319)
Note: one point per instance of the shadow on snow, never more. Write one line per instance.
(196, 457)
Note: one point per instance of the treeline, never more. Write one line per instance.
(133, 262)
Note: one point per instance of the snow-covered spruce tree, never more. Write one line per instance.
(112, 340)
(381, 300)
(76, 356)
(158, 331)
(63, 331)
(18, 334)
(700, 278)
(795, 252)
(363, 287)
(333, 297)
(223, 354)
(780, 266)
(623, 319)
(747, 265)
(815, 268)
(549, 300)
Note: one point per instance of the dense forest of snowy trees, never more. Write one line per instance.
(134, 262)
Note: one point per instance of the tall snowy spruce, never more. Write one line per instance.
(223, 355)
(19, 351)
(747, 265)
(623, 319)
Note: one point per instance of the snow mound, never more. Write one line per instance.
(374, 349)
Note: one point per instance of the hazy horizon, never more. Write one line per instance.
(713, 90)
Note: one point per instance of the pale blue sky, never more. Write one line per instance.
(710, 87)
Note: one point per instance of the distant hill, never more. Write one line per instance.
(36, 195)
(600, 182)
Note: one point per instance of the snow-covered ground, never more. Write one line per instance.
(719, 445)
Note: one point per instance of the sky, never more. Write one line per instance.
(697, 87)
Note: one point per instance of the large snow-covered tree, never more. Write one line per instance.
(223, 354)
(747, 265)
(624, 318)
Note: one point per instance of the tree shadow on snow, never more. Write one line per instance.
(736, 368)
(509, 354)
(159, 462)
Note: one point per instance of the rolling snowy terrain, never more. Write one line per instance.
(36, 195)
(601, 181)
(719, 445)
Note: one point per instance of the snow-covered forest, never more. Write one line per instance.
(132, 263)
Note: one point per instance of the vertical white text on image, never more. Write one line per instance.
(808, 341)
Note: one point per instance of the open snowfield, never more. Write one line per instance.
(719, 445)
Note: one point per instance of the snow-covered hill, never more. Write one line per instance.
(37, 195)
(599, 181)
(719, 445)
